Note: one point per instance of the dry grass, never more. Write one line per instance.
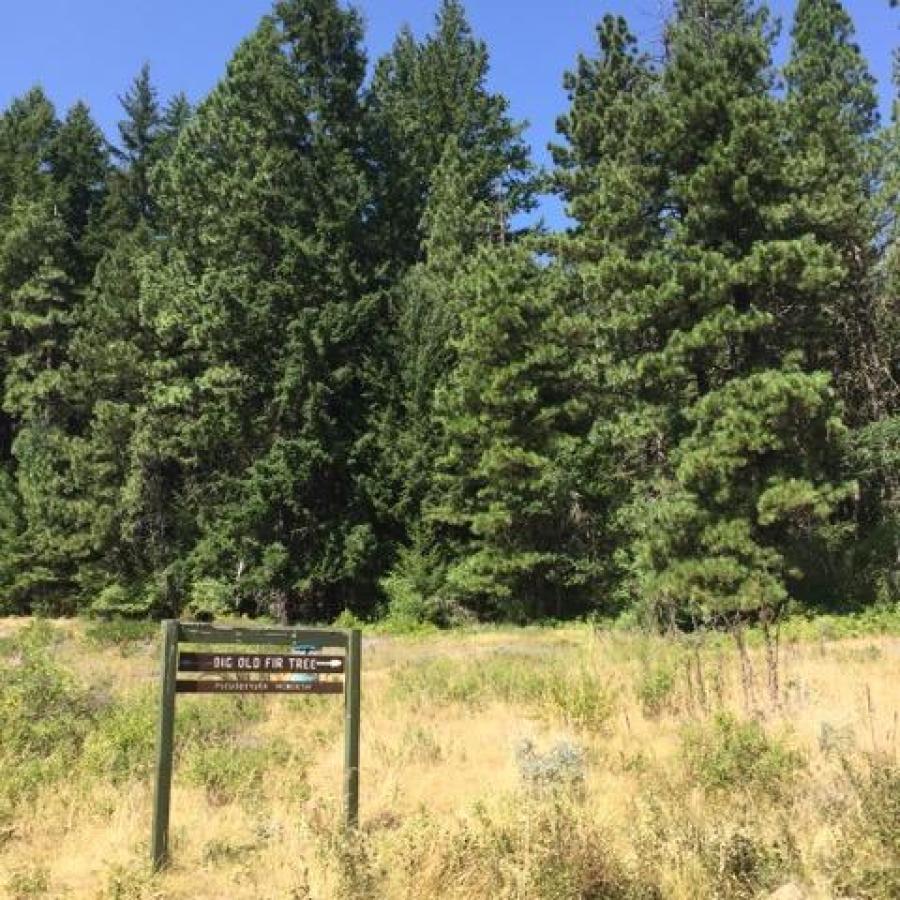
(666, 784)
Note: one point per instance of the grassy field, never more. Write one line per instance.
(548, 763)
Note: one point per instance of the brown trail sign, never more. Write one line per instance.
(259, 687)
(259, 663)
(254, 673)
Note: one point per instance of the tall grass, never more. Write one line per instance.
(562, 763)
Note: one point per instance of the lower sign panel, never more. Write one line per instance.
(259, 687)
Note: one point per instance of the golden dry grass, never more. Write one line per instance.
(446, 809)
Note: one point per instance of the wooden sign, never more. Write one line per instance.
(254, 673)
(260, 687)
(260, 663)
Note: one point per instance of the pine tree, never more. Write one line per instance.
(609, 172)
(727, 435)
(26, 133)
(510, 417)
(422, 94)
(832, 118)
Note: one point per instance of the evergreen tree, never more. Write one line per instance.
(140, 132)
(610, 174)
(113, 349)
(727, 436)
(79, 160)
(876, 443)
(45, 259)
(832, 116)
(510, 416)
(26, 133)
(421, 95)
(244, 461)
(455, 224)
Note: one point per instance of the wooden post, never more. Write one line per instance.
(165, 745)
(352, 688)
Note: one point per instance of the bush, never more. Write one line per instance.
(866, 862)
(116, 601)
(122, 744)
(563, 766)
(730, 755)
(654, 689)
(549, 848)
(210, 599)
(44, 717)
(124, 634)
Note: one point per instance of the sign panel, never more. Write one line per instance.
(245, 673)
(268, 663)
(259, 687)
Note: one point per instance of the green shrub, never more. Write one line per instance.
(124, 634)
(117, 601)
(121, 746)
(237, 770)
(654, 688)
(210, 599)
(545, 685)
(348, 619)
(44, 718)
(727, 754)
(867, 862)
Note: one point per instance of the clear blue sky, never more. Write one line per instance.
(91, 49)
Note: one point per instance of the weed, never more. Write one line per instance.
(130, 882)
(867, 861)
(563, 766)
(419, 745)
(728, 754)
(123, 634)
(121, 745)
(44, 718)
(33, 881)
(654, 688)
(237, 771)
(574, 695)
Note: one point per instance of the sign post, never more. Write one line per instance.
(254, 673)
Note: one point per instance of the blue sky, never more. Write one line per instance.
(91, 49)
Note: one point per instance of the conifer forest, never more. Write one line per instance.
(305, 347)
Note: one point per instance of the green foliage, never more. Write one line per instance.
(573, 696)
(117, 601)
(124, 634)
(236, 771)
(122, 742)
(727, 754)
(290, 353)
(654, 687)
(44, 717)
(427, 97)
